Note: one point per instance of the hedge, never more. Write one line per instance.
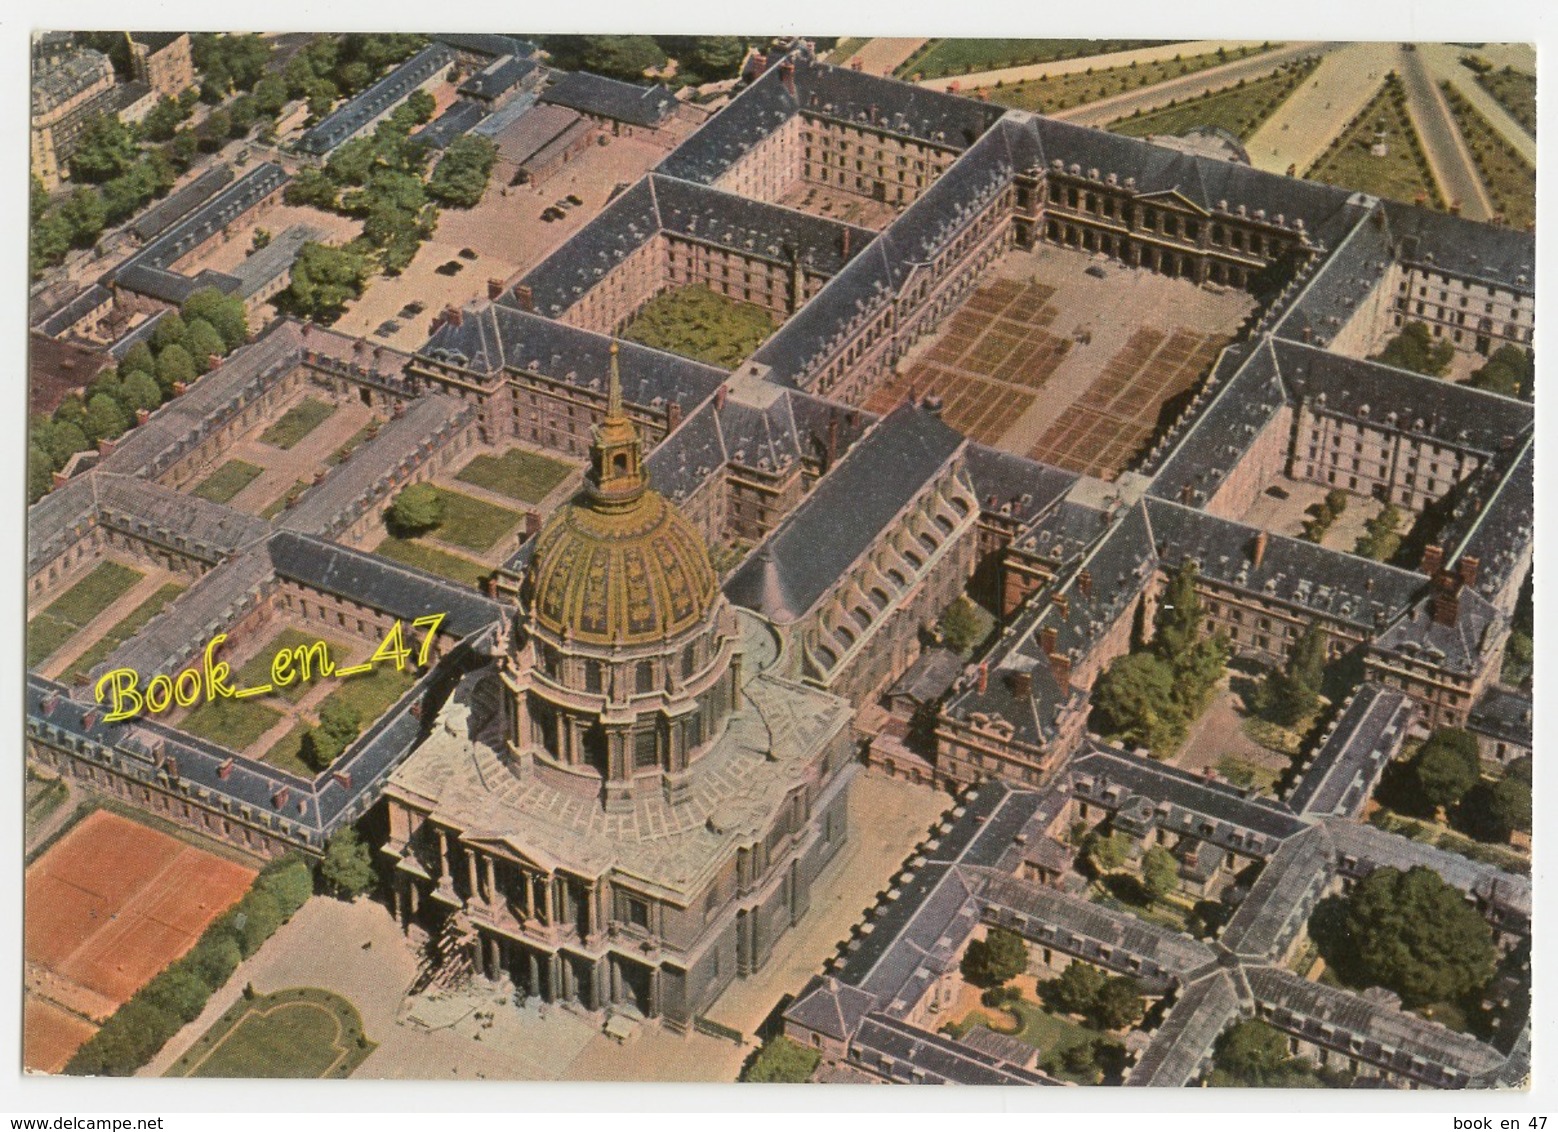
(177, 994)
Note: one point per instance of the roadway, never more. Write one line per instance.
(1448, 156)
(1348, 76)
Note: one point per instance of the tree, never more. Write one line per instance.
(215, 958)
(261, 916)
(416, 510)
(180, 991)
(624, 57)
(1493, 811)
(1117, 1004)
(139, 357)
(1415, 349)
(1381, 538)
(106, 418)
(290, 881)
(1159, 872)
(1291, 694)
(420, 106)
(347, 868)
(324, 280)
(223, 313)
(1105, 854)
(270, 95)
(713, 57)
(105, 149)
(87, 214)
(1178, 624)
(783, 1061)
(163, 119)
(40, 473)
(1134, 701)
(61, 439)
(460, 178)
(1444, 768)
(961, 626)
(1253, 1052)
(203, 343)
(169, 331)
(1414, 934)
(995, 960)
(312, 187)
(1075, 989)
(139, 391)
(339, 724)
(1196, 663)
(174, 365)
(1509, 371)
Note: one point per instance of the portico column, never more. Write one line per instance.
(546, 899)
(443, 854)
(470, 872)
(492, 881)
(530, 894)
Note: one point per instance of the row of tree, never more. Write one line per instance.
(1149, 697)
(1444, 777)
(182, 345)
(699, 58)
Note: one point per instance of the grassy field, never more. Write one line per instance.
(279, 504)
(844, 48)
(233, 724)
(1046, 1032)
(434, 561)
(1515, 91)
(123, 631)
(77, 606)
(228, 480)
(304, 1033)
(297, 422)
(700, 324)
(287, 752)
(949, 57)
(519, 474)
(256, 670)
(1510, 181)
(1062, 92)
(1243, 772)
(372, 693)
(1400, 175)
(472, 524)
(1239, 109)
(43, 798)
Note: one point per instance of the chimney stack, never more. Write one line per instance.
(1085, 583)
(1258, 551)
(719, 398)
(1467, 569)
(844, 243)
(984, 678)
(1022, 685)
(494, 288)
(1047, 638)
(523, 297)
(673, 416)
(1446, 607)
(1060, 665)
(1433, 558)
(833, 439)
(1061, 603)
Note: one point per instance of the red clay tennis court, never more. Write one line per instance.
(108, 907)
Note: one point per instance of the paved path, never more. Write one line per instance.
(121, 607)
(1448, 157)
(1055, 67)
(1123, 105)
(884, 55)
(1443, 62)
(1311, 117)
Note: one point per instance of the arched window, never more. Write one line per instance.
(845, 634)
(644, 676)
(944, 523)
(862, 618)
(592, 676)
(913, 559)
(897, 576)
(928, 543)
(689, 661)
(879, 596)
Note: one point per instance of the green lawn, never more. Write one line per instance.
(279, 504)
(1046, 1032)
(1239, 109)
(228, 480)
(1243, 772)
(1062, 92)
(844, 48)
(301, 1033)
(472, 524)
(1515, 91)
(287, 752)
(700, 324)
(353, 441)
(256, 670)
(434, 561)
(297, 422)
(519, 474)
(233, 724)
(945, 57)
(1509, 179)
(372, 693)
(1402, 174)
(123, 631)
(43, 798)
(77, 606)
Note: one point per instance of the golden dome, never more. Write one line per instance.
(619, 564)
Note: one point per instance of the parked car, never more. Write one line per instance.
(467, 253)
(411, 310)
(572, 199)
(387, 327)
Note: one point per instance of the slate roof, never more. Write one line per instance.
(1361, 848)
(1429, 408)
(401, 591)
(601, 97)
(1277, 908)
(1345, 281)
(1308, 577)
(1182, 1044)
(1015, 487)
(376, 101)
(1341, 774)
(1382, 1035)
(1494, 519)
(85, 301)
(907, 1054)
(498, 78)
(1502, 714)
(461, 117)
(1462, 648)
(817, 543)
(148, 270)
(260, 269)
(1437, 241)
(493, 45)
(493, 336)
